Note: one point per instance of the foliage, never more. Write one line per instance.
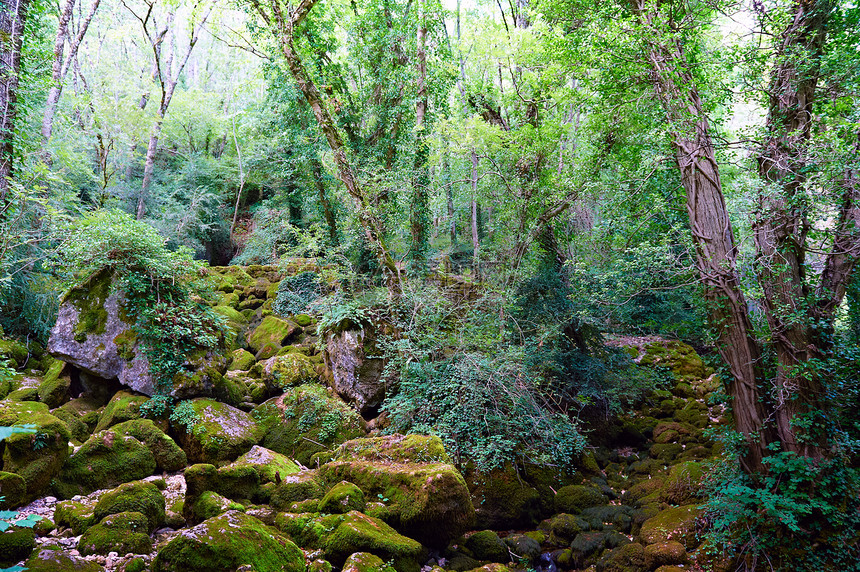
(297, 293)
(162, 288)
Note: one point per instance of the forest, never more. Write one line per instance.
(423, 285)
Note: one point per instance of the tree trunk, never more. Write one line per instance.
(148, 168)
(328, 211)
(420, 217)
(13, 14)
(476, 239)
(712, 232)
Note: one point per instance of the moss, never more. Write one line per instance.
(140, 496)
(89, 299)
(79, 430)
(666, 452)
(272, 330)
(221, 434)
(227, 542)
(44, 526)
(242, 360)
(303, 320)
(105, 460)
(36, 457)
(14, 351)
(628, 558)
(682, 486)
(75, 515)
(361, 533)
(137, 564)
(682, 359)
(609, 517)
(54, 389)
(124, 406)
(309, 530)
(365, 562)
(296, 488)
(523, 547)
(231, 313)
(486, 545)
(342, 498)
(665, 554)
(24, 394)
(585, 546)
(644, 488)
(15, 544)
(562, 528)
(123, 532)
(573, 498)
(694, 413)
(287, 370)
(13, 490)
(46, 560)
(428, 502)
(238, 482)
(210, 504)
(168, 456)
(306, 420)
(673, 432)
(395, 449)
(678, 524)
(269, 465)
(504, 500)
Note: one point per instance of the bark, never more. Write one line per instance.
(419, 214)
(372, 227)
(328, 211)
(13, 14)
(61, 63)
(782, 224)
(241, 179)
(476, 239)
(716, 251)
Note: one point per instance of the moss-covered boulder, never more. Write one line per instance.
(573, 499)
(123, 532)
(673, 524)
(272, 331)
(503, 499)
(14, 352)
(486, 545)
(523, 547)
(627, 558)
(306, 420)
(365, 562)
(168, 455)
(142, 497)
(288, 369)
(210, 504)
(108, 458)
(425, 501)
(665, 554)
(683, 485)
(123, 406)
(15, 544)
(241, 360)
(227, 542)
(35, 456)
(76, 515)
(341, 499)
(394, 449)
(48, 560)
(354, 369)
(299, 487)
(220, 433)
(272, 467)
(54, 389)
(682, 359)
(13, 490)
(562, 528)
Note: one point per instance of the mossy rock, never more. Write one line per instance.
(13, 490)
(210, 504)
(609, 517)
(674, 432)
(627, 558)
(586, 547)
(37, 457)
(54, 389)
(683, 485)
(486, 545)
(168, 455)
(288, 370)
(79, 430)
(15, 544)
(394, 449)
(139, 496)
(269, 465)
(14, 351)
(572, 499)
(107, 459)
(303, 320)
(682, 359)
(365, 562)
(665, 554)
(272, 330)
(297, 488)
(563, 528)
(428, 502)
(342, 498)
(309, 530)
(523, 547)
(124, 406)
(305, 421)
(242, 360)
(123, 532)
(503, 499)
(136, 564)
(228, 542)
(78, 516)
(234, 318)
(221, 433)
(81, 415)
(47, 560)
(666, 452)
(673, 524)
(694, 413)
(643, 488)
(358, 532)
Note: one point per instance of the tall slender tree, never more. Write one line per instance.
(13, 16)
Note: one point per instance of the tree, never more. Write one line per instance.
(13, 15)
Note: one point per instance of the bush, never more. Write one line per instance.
(297, 293)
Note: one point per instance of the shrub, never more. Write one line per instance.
(297, 293)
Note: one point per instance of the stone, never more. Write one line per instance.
(341, 499)
(287, 370)
(15, 544)
(220, 433)
(13, 490)
(673, 524)
(573, 499)
(683, 485)
(46, 560)
(361, 533)
(523, 547)
(142, 497)
(627, 558)
(272, 330)
(486, 545)
(75, 515)
(123, 406)
(356, 375)
(365, 562)
(241, 360)
(168, 455)
(54, 389)
(503, 499)
(228, 542)
(123, 532)
(665, 554)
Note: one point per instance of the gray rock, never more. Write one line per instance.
(356, 377)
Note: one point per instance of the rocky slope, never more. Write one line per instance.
(268, 465)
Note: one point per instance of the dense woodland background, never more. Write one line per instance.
(581, 171)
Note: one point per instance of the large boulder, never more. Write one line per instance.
(306, 420)
(228, 542)
(218, 432)
(95, 333)
(355, 373)
(48, 560)
(418, 495)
